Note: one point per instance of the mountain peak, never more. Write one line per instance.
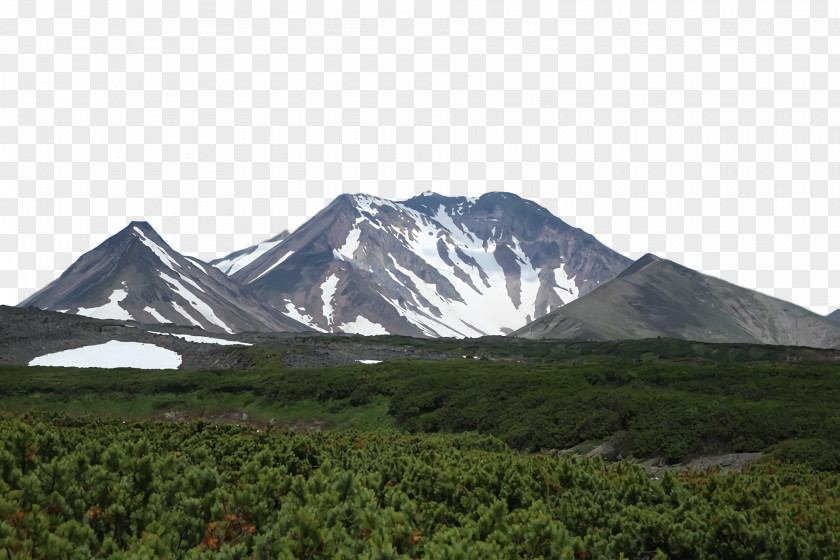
(135, 276)
(140, 229)
(642, 263)
(432, 265)
(143, 226)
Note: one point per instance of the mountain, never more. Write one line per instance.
(834, 316)
(135, 276)
(429, 266)
(657, 297)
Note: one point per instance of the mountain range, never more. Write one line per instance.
(430, 266)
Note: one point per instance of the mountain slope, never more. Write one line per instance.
(834, 316)
(656, 297)
(429, 266)
(135, 276)
(238, 260)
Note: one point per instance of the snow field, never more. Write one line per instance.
(363, 325)
(113, 354)
(204, 339)
(110, 310)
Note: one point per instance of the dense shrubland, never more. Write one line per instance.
(82, 488)
(717, 399)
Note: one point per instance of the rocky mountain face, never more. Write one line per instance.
(430, 266)
(656, 297)
(834, 315)
(136, 276)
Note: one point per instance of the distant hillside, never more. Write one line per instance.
(657, 297)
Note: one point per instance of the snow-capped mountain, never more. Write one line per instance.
(657, 297)
(428, 266)
(136, 276)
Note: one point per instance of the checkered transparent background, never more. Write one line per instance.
(706, 132)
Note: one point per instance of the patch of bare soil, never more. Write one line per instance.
(308, 426)
(729, 463)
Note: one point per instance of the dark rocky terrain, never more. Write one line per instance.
(27, 333)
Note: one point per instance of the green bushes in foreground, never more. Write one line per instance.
(82, 488)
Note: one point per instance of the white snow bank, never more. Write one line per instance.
(110, 310)
(363, 325)
(369, 361)
(204, 339)
(113, 354)
(154, 313)
(327, 293)
(297, 314)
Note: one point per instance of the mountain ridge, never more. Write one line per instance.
(660, 298)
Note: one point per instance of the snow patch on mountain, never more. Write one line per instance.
(352, 242)
(156, 249)
(529, 281)
(363, 325)
(430, 325)
(298, 315)
(154, 313)
(327, 294)
(198, 264)
(568, 289)
(473, 314)
(186, 315)
(200, 306)
(231, 266)
(110, 310)
(113, 354)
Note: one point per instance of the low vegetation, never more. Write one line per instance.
(662, 398)
(85, 488)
